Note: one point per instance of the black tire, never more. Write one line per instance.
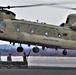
(20, 49)
(35, 49)
(64, 52)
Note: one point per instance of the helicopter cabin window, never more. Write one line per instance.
(17, 28)
(46, 33)
(2, 26)
(59, 35)
(32, 31)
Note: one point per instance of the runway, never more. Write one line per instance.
(45, 66)
(55, 61)
(39, 71)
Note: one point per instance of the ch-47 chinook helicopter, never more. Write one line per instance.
(39, 34)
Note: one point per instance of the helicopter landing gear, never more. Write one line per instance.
(35, 49)
(64, 52)
(56, 49)
(43, 48)
(20, 48)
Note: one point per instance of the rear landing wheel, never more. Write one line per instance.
(20, 49)
(64, 52)
(35, 49)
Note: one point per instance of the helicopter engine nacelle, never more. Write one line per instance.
(73, 27)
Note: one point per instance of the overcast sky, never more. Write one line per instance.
(48, 14)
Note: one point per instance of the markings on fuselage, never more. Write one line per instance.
(51, 40)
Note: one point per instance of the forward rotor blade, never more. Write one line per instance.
(36, 5)
(44, 4)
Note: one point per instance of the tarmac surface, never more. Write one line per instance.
(39, 71)
(44, 66)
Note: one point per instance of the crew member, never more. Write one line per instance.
(9, 60)
(25, 58)
(9, 57)
(0, 59)
(0, 56)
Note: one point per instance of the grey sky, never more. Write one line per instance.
(48, 14)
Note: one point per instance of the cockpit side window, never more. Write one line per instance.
(2, 26)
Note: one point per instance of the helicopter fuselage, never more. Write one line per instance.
(33, 33)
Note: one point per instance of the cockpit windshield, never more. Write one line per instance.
(67, 20)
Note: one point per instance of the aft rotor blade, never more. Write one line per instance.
(64, 7)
